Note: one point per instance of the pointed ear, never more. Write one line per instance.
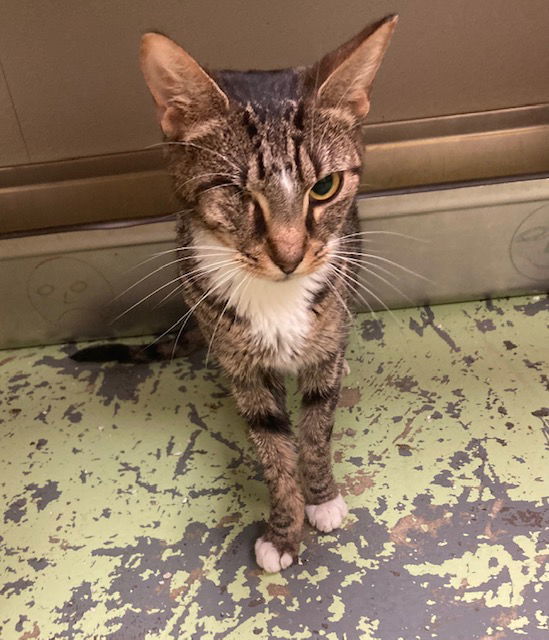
(345, 76)
(181, 89)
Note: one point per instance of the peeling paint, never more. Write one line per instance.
(132, 498)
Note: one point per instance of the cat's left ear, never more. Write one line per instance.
(183, 91)
(344, 77)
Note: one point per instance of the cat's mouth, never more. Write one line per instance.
(264, 268)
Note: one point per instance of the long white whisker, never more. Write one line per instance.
(177, 288)
(192, 247)
(197, 146)
(175, 324)
(205, 175)
(338, 295)
(121, 315)
(229, 299)
(198, 273)
(363, 286)
(375, 256)
(164, 266)
(220, 186)
(222, 282)
(361, 262)
(189, 248)
(389, 233)
(353, 288)
(387, 282)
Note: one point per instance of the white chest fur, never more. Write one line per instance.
(278, 312)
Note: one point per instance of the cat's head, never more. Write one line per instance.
(267, 161)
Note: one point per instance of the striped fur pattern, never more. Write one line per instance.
(259, 267)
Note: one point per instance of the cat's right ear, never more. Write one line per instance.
(343, 79)
(182, 90)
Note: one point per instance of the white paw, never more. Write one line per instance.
(346, 368)
(328, 515)
(269, 559)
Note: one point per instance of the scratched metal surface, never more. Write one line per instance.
(131, 498)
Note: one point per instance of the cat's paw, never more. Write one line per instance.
(269, 558)
(328, 515)
(346, 368)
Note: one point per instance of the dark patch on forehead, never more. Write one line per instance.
(249, 125)
(267, 91)
(260, 166)
(298, 140)
(299, 116)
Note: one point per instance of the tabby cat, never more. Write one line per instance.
(267, 166)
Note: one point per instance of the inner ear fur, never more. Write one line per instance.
(182, 90)
(343, 78)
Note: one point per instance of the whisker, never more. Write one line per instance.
(189, 248)
(121, 315)
(352, 288)
(233, 293)
(362, 262)
(220, 186)
(177, 288)
(338, 296)
(224, 281)
(187, 280)
(363, 286)
(389, 233)
(206, 271)
(164, 266)
(375, 256)
(173, 327)
(197, 146)
(205, 175)
(387, 282)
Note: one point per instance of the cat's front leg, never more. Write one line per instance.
(261, 399)
(320, 386)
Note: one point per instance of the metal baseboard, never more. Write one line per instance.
(462, 242)
(471, 188)
(507, 143)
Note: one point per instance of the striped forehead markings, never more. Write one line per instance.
(287, 183)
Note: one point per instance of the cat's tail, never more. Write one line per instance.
(165, 349)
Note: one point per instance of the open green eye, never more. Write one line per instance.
(326, 187)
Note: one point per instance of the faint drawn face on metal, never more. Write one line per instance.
(530, 245)
(68, 292)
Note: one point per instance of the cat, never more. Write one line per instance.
(267, 166)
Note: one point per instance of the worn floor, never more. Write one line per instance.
(131, 498)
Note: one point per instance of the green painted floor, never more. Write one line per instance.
(131, 498)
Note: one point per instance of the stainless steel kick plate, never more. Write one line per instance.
(424, 246)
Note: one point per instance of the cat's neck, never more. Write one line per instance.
(278, 312)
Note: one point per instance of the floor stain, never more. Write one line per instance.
(131, 498)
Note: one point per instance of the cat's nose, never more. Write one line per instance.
(286, 247)
(288, 265)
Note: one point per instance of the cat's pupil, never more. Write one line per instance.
(322, 187)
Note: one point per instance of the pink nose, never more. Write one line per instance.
(287, 249)
(286, 264)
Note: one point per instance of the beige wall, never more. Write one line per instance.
(12, 145)
(71, 66)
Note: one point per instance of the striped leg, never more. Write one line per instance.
(261, 399)
(320, 386)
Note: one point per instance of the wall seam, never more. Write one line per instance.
(19, 125)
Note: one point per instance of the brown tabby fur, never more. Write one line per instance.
(235, 141)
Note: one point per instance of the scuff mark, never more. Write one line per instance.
(428, 321)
